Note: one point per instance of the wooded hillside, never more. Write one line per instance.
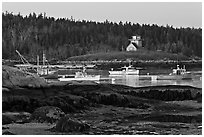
(62, 38)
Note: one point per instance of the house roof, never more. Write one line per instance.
(131, 46)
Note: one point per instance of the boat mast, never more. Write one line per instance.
(46, 67)
(38, 64)
(43, 59)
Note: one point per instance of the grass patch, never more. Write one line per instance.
(140, 54)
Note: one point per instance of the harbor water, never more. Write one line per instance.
(143, 79)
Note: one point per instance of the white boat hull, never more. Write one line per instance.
(174, 77)
(87, 78)
(135, 72)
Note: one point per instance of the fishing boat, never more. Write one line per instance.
(177, 74)
(79, 76)
(41, 70)
(44, 69)
(126, 70)
(46, 73)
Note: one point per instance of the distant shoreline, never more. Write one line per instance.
(105, 64)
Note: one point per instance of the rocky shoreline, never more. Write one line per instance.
(106, 65)
(33, 107)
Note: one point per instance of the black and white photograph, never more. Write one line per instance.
(101, 68)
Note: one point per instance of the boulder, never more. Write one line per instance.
(13, 77)
(61, 103)
(67, 124)
(47, 114)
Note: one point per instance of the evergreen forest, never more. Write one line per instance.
(62, 38)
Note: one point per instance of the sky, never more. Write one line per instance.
(177, 14)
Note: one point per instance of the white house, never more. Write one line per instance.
(131, 47)
(135, 42)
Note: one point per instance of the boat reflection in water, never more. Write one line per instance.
(179, 76)
(141, 80)
(145, 80)
(134, 80)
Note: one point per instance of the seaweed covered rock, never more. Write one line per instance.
(8, 133)
(13, 77)
(17, 103)
(168, 94)
(115, 99)
(67, 124)
(199, 99)
(68, 103)
(6, 120)
(61, 103)
(15, 117)
(48, 114)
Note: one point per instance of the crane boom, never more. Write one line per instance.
(22, 58)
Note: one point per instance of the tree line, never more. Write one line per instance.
(62, 38)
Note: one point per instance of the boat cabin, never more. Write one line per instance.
(179, 71)
(127, 68)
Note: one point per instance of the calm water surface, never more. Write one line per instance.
(135, 81)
